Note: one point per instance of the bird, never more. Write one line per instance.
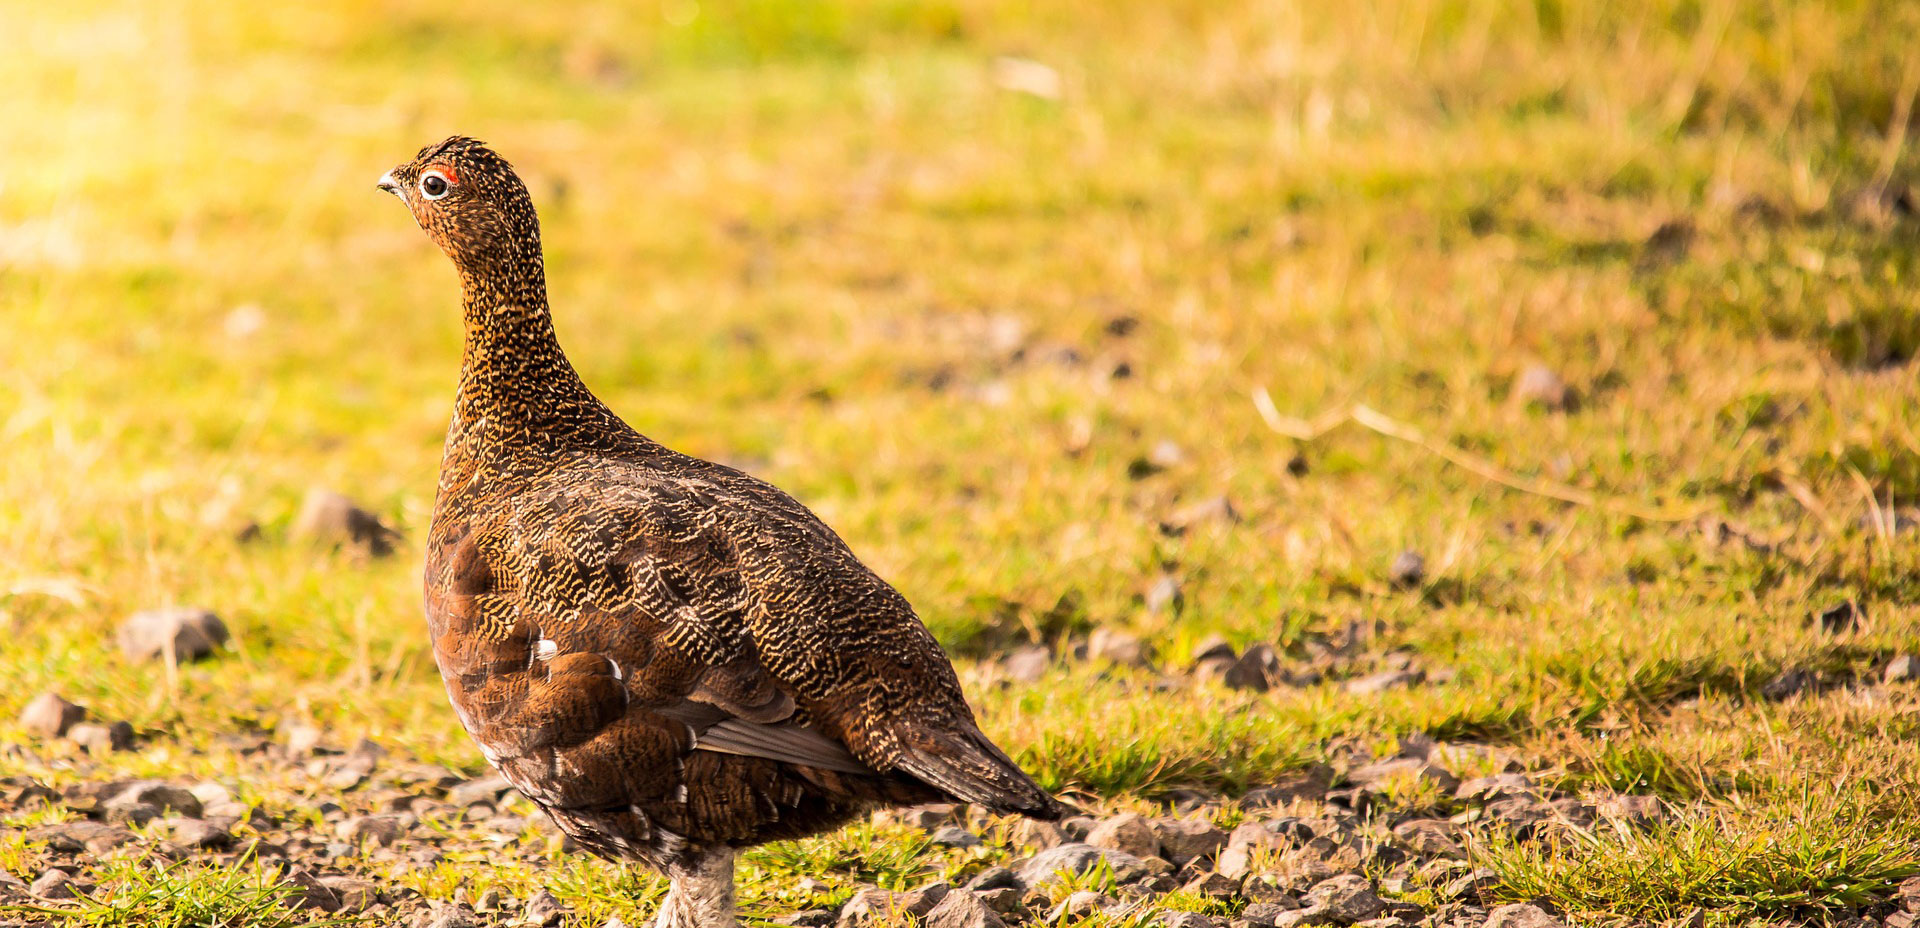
(671, 658)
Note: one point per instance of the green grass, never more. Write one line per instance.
(822, 242)
(183, 896)
(1790, 858)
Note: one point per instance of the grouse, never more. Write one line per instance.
(672, 658)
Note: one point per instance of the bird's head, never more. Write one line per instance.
(472, 205)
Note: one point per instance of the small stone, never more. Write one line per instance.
(1187, 839)
(186, 632)
(879, 906)
(1218, 509)
(1472, 885)
(1175, 918)
(1430, 837)
(1409, 570)
(1409, 912)
(1256, 670)
(1117, 647)
(1786, 683)
(1267, 913)
(1383, 681)
(382, 829)
(255, 817)
(809, 918)
(962, 909)
(1519, 814)
(1522, 915)
(1004, 900)
(102, 739)
(164, 796)
(1667, 245)
(129, 813)
(1080, 905)
(210, 794)
(52, 885)
(1166, 454)
(203, 835)
(1029, 832)
(1270, 889)
(1843, 617)
(1213, 669)
(27, 796)
(443, 915)
(1164, 594)
(1541, 385)
(50, 716)
(1309, 783)
(955, 836)
(1249, 843)
(354, 768)
(1213, 886)
(304, 740)
(1214, 646)
(1027, 665)
(356, 895)
(1044, 868)
(332, 518)
(925, 817)
(544, 910)
(1298, 918)
(1498, 786)
(80, 836)
(1129, 833)
(1348, 898)
(994, 878)
(480, 789)
(1908, 893)
(310, 893)
(1901, 669)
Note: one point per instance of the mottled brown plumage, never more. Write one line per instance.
(670, 657)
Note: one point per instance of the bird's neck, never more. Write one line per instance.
(512, 371)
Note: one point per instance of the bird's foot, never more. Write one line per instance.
(700, 892)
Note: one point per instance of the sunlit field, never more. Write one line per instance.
(1173, 320)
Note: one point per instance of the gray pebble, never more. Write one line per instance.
(187, 632)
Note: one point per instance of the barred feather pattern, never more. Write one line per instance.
(669, 656)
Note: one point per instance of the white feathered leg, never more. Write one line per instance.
(700, 893)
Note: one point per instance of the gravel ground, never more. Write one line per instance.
(1333, 845)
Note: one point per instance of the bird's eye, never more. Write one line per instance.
(433, 185)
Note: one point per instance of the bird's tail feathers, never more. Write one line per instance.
(958, 759)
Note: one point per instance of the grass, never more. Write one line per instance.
(828, 243)
(185, 896)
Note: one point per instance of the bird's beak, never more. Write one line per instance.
(390, 185)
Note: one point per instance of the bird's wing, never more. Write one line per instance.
(638, 622)
(856, 657)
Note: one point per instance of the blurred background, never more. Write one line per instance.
(1055, 312)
